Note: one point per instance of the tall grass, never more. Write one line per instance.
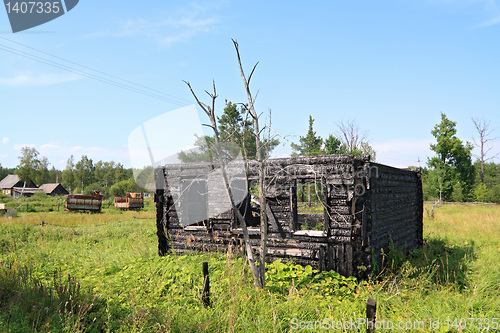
(100, 273)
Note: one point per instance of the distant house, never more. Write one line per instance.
(54, 189)
(25, 191)
(13, 186)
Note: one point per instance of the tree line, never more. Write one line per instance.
(451, 175)
(83, 176)
(349, 139)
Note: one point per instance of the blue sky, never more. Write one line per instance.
(393, 66)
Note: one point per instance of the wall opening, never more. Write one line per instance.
(250, 207)
(194, 202)
(309, 205)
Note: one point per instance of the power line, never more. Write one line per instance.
(98, 71)
(92, 76)
(131, 86)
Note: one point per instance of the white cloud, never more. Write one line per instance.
(30, 79)
(20, 146)
(5, 140)
(168, 31)
(493, 21)
(181, 25)
(403, 152)
(49, 147)
(490, 7)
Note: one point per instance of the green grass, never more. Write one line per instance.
(100, 273)
(315, 208)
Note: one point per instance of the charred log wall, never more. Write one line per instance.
(395, 209)
(360, 210)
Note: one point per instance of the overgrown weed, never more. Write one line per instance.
(133, 290)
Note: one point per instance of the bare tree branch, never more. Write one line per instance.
(246, 238)
(251, 73)
(350, 135)
(484, 131)
(262, 198)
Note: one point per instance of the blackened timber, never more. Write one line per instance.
(365, 204)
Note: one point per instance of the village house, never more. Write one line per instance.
(13, 186)
(53, 189)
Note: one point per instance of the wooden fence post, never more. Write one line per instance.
(371, 313)
(205, 296)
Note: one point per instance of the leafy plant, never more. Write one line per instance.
(327, 284)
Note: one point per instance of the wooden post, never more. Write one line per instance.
(205, 296)
(326, 215)
(293, 206)
(161, 213)
(371, 314)
(309, 194)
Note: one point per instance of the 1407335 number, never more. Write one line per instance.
(38, 7)
(470, 323)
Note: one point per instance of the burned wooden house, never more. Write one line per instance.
(362, 207)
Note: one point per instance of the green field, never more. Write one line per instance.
(100, 273)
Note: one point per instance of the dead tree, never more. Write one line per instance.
(482, 128)
(262, 198)
(210, 111)
(350, 135)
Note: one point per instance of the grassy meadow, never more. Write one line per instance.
(100, 273)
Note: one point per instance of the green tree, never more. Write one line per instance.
(84, 172)
(333, 145)
(310, 145)
(107, 174)
(121, 188)
(42, 174)
(68, 175)
(54, 175)
(367, 149)
(120, 173)
(5, 171)
(203, 152)
(231, 124)
(454, 158)
(481, 192)
(29, 164)
(440, 182)
(234, 132)
(491, 178)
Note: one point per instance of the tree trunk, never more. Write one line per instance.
(262, 197)
(309, 194)
(246, 238)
